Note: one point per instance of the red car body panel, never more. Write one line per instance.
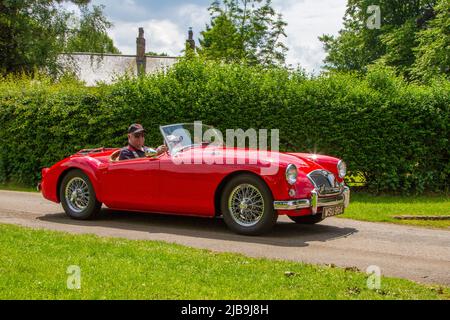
(163, 186)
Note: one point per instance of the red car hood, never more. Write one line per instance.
(304, 162)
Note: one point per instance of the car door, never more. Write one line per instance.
(188, 188)
(131, 184)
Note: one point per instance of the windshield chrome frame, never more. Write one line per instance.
(161, 129)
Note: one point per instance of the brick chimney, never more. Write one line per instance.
(190, 41)
(140, 52)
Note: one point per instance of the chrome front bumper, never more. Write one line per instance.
(315, 202)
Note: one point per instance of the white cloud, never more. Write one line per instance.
(307, 20)
(167, 32)
(124, 10)
(160, 35)
(194, 13)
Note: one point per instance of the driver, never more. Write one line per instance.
(136, 148)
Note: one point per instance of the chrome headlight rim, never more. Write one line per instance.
(342, 166)
(289, 178)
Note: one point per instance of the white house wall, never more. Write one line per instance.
(93, 68)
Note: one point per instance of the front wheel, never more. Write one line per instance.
(247, 205)
(78, 196)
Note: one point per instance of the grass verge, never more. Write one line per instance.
(16, 187)
(33, 265)
(373, 208)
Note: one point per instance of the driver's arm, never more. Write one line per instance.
(161, 149)
(150, 152)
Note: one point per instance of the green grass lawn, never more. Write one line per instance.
(382, 209)
(33, 265)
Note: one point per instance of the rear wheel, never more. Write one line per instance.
(78, 196)
(247, 205)
(307, 219)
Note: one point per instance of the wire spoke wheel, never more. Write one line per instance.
(78, 197)
(77, 194)
(246, 205)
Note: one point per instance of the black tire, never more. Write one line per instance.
(91, 207)
(307, 219)
(267, 215)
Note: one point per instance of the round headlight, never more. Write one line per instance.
(342, 169)
(291, 173)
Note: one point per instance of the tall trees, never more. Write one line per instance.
(34, 32)
(244, 30)
(432, 54)
(405, 26)
(91, 35)
(221, 41)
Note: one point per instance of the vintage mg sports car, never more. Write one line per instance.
(190, 179)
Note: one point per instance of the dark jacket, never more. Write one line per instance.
(129, 152)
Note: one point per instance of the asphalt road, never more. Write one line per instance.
(419, 254)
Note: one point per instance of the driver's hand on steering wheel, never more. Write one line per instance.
(161, 149)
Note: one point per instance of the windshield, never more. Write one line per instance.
(182, 136)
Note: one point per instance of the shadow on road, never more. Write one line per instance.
(285, 234)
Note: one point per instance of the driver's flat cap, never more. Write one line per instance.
(136, 128)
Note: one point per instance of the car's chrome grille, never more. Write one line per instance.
(324, 181)
(320, 179)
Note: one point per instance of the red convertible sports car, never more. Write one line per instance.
(201, 177)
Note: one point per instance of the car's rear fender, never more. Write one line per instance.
(52, 180)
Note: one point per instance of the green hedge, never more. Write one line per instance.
(393, 134)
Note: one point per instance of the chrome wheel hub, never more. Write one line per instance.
(246, 205)
(243, 205)
(77, 194)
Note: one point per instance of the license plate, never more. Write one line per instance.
(332, 211)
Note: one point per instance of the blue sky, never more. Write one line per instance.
(166, 23)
